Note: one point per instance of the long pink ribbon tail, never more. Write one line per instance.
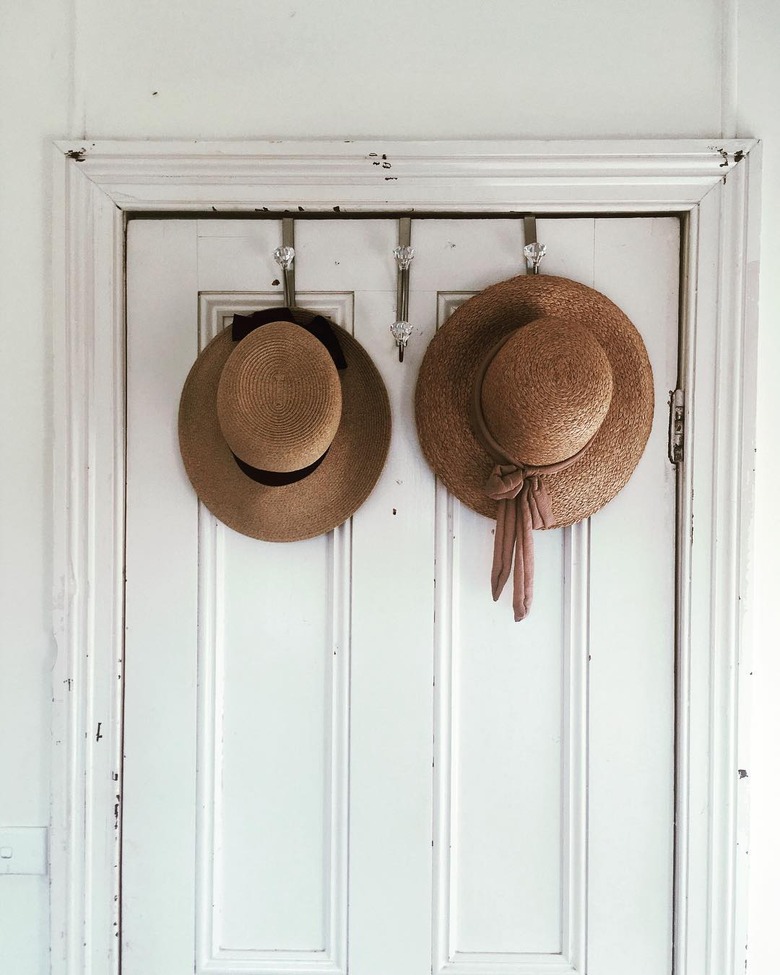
(523, 504)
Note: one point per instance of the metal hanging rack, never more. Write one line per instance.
(401, 329)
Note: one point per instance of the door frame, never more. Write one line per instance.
(712, 186)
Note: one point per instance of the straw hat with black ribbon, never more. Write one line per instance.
(284, 425)
(534, 403)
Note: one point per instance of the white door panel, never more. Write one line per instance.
(339, 753)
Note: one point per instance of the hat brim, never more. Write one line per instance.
(319, 502)
(450, 366)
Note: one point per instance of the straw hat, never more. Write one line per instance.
(534, 404)
(284, 425)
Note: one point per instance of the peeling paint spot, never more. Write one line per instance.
(742, 773)
(337, 209)
(275, 283)
(300, 209)
(386, 165)
(78, 155)
(739, 155)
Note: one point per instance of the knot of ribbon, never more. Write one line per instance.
(523, 504)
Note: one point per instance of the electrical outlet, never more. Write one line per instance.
(24, 850)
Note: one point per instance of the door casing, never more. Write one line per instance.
(712, 187)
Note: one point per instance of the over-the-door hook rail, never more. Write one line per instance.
(534, 251)
(401, 330)
(285, 257)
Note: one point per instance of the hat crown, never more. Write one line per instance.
(279, 398)
(546, 391)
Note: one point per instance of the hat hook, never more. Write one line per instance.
(534, 251)
(284, 257)
(401, 330)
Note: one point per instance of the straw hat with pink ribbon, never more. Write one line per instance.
(534, 404)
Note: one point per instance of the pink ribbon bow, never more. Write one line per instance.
(523, 504)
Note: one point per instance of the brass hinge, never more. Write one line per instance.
(676, 426)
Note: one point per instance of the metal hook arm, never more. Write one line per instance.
(404, 253)
(285, 257)
(533, 251)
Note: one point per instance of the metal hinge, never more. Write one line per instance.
(676, 426)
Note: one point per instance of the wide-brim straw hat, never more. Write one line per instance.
(346, 414)
(498, 350)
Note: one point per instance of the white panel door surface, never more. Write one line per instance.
(340, 754)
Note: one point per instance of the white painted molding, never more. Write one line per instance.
(99, 184)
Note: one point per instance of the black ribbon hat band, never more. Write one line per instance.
(322, 330)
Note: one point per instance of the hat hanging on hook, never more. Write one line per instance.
(534, 403)
(284, 421)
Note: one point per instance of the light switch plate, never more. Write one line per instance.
(24, 850)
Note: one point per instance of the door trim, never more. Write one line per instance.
(713, 187)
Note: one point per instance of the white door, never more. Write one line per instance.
(339, 753)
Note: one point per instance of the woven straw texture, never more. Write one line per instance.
(546, 391)
(319, 502)
(279, 398)
(448, 372)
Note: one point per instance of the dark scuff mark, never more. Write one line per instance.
(371, 155)
(275, 283)
(739, 155)
(386, 165)
(395, 512)
(98, 735)
(742, 773)
(300, 209)
(69, 682)
(337, 209)
(384, 156)
(214, 209)
(77, 155)
(391, 177)
(725, 157)
(376, 163)
(116, 812)
(155, 93)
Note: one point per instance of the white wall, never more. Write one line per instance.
(348, 69)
